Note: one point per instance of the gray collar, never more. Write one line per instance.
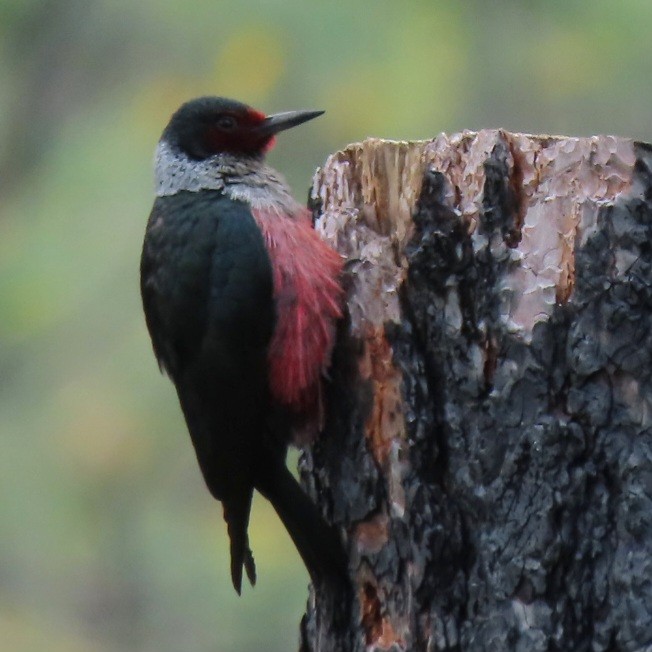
(247, 180)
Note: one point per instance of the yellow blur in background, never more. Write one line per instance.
(108, 539)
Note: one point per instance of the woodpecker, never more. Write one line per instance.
(241, 298)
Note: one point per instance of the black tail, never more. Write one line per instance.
(222, 440)
(318, 543)
(236, 515)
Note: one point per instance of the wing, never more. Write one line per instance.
(207, 288)
(206, 282)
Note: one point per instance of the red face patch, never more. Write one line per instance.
(256, 117)
(235, 133)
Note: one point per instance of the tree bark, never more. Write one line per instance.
(487, 452)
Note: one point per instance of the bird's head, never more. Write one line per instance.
(207, 126)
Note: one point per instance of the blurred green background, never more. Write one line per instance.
(108, 539)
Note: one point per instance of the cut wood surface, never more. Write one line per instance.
(488, 445)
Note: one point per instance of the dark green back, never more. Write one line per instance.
(207, 286)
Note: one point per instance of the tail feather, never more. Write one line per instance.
(250, 565)
(318, 543)
(236, 515)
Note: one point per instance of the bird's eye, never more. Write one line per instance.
(227, 123)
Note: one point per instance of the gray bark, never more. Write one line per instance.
(488, 446)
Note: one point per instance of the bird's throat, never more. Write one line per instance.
(249, 180)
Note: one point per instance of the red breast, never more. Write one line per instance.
(308, 297)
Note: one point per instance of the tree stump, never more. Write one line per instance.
(487, 452)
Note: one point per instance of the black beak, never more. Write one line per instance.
(282, 121)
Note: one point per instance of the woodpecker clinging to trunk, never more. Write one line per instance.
(241, 297)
